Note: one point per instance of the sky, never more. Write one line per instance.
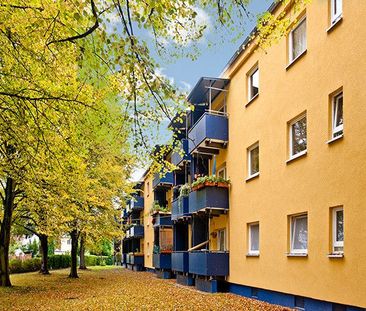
(211, 61)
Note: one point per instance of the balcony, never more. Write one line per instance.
(214, 198)
(209, 134)
(161, 219)
(180, 261)
(134, 259)
(208, 263)
(162, 260)
(177, 158)
(137, 203)
(180, 208)
(165, 181)
(137, 231)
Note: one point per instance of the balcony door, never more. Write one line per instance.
(221, 240)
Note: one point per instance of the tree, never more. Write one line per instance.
(58, 61)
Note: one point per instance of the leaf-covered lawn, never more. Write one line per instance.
(104, 288)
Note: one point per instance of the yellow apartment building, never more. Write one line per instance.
(286, 126)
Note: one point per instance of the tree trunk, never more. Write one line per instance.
(44, 251)
(5, 232)
(82, 252)
(74, 254)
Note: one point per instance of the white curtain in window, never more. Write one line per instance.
(300, 233)
(299, 39)
(254, 237)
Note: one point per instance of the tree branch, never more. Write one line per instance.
(86, 33)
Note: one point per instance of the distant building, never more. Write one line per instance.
(64, 246)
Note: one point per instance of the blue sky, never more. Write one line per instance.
(212, 60)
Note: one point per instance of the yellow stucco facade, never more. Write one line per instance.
(148, 226)
(326, 176)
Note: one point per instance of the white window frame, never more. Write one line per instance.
(339, 128)
(290, 43)
(335, 16)
(219, 233)
(335, 243)
(223, 169)
(249, 77)
(292, 231)
(250, 251)
(292, 155)
(249, 156)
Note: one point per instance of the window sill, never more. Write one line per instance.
(337, 22)
(295, 60)
(256, 175)
(297, 254)
(336, 256)
(252, 100)
(297, 156)
(252, 255)
(337, 138)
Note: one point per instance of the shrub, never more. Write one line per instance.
(59, 261)
(93, 260)
(27, 265)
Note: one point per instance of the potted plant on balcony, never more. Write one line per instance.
(223, 183)
(184, 190)
(210, 181)
(156, 207)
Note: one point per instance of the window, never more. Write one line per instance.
(221, 240)
(337, 115)
(298, 136)
(338, 230)
(299, 303)
(253, 160)
(299, 234)
(254, 292)
(297, 40)
(253, 242)
(336, 10)
(222, 173)
(253, 83)
(338, 307)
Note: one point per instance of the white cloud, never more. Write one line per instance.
(137, 174)
(160, 72)
(186, 87)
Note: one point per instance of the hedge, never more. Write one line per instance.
(92, 260)
(59, 261)
(55, 262)
(28, 265)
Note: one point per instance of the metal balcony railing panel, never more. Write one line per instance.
(209, 263)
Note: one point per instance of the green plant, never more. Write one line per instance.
(157, 208)
(211, 179)
(27, 265)
(184, 190)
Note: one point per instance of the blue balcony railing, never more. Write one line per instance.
(180, 207)
(134, 259)
(177, 157)
(208, 263)
(137, 203)
(162, 261)
(165, 181)
(210, 128)
(162, 219)
(137, 231)
(209, 198)
(180, 261)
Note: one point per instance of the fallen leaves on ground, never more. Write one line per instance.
(115, 289)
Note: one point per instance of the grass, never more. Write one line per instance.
(112, 288)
